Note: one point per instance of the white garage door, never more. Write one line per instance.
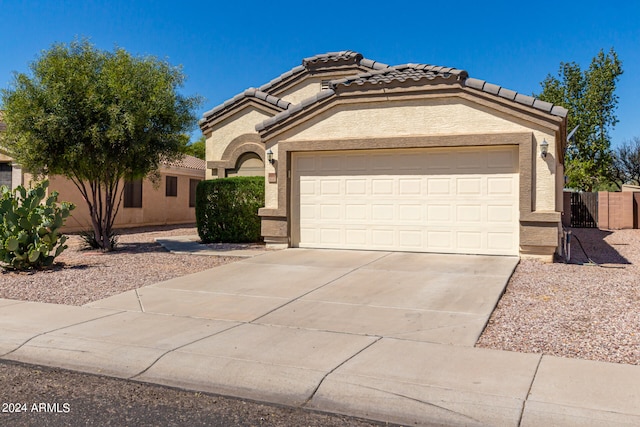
(462, 200)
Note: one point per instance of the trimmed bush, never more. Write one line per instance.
(30, 229)
(227, 209)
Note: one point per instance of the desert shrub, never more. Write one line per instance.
(30, 229)
(227, 209)
(89, 240)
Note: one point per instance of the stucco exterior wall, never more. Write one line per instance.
(305, 89)
(240, 123)
(157, 208)
(448, 116)
(271, 188)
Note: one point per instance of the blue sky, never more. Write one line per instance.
(225, 48)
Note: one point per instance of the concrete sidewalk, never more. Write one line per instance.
(385, 336)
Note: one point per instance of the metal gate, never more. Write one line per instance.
(584, 210)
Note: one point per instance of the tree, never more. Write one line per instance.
(197, 148)
(591, 100)
(626, 162)
(97, 118)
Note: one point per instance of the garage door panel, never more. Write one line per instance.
(409, 186)
(473, 161)
(382, 187)
(355, 187)
(382, 212)
(440, 239)
(439, 213)
(410, 212)
(439, 186)
(330, 236)
(504, 214)
(383, 237)
(469, 186)
(411, 239)
(415, 207)
(469, 213)
(469, 240)
(500, 186)
(438, 162)
(356, 163)
(355, 238)
(501, 160)
(499, 241)
(330, 187)
(356, 212)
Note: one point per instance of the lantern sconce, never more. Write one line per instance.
(544, 148)
(270, 156)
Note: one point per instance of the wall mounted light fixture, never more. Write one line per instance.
(270, 156)
(544, 148)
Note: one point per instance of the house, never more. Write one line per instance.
(169, 200)
(414, 157)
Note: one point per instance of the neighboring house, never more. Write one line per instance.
(407, 158)
(11, 173)
(169, 201)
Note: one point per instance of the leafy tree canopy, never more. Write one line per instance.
(196, 148)
(626, 162)
(590, 97)
(97, 117)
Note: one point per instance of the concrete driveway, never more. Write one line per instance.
(423, 297)
(386, 336)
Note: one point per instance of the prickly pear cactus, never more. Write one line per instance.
(30, 225)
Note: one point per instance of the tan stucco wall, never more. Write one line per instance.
(448, 116)
(240, 123)
(305, 89)
(157, 209)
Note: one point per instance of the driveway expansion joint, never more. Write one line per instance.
(133, 377)
(315, 390)
(526, 398)
(59, 329)
(300, 297)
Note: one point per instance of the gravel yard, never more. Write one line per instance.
(81, 276)
(569, 310)
(575, 310)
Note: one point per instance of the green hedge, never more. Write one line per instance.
(227, 209)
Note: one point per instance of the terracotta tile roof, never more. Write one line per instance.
(344, 57)
(511, 95)
(402, 73)
(412, 75)
(325, 61)
(188, 162)
(249, 93)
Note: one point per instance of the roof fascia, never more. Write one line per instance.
(247, 102)
(546, 120)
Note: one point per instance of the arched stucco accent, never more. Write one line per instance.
(247, 143)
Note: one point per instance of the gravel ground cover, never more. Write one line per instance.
(80, 276)
(578, 310)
